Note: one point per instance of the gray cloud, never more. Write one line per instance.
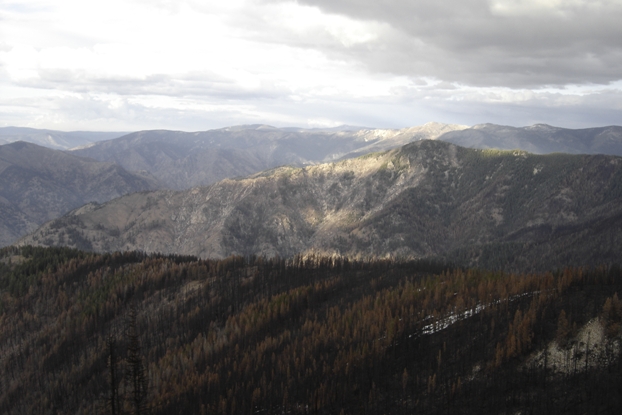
(406, 107)
(128, 107)
(193, 84)
(467, 62)
(473, 42)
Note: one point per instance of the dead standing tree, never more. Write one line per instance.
(113, 377)
(135, 375)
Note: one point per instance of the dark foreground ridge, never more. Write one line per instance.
(135, 333)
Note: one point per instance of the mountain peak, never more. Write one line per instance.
(542, 127)
(20, 145)
(243, 127)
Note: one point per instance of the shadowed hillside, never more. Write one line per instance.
(38, 184)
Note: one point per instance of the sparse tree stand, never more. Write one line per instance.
(135, 369)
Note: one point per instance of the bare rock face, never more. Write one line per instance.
(502, 209)
(38, 184)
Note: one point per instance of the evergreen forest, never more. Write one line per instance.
(131, 333)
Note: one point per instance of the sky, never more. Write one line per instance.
(196, 65)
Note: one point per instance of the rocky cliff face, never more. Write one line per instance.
(429, 198)
(38, 184)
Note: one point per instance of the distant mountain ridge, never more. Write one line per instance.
(38, 184)
(182, 160)
(427, 199)
(537, 138)
(540, 139)
(58, 140)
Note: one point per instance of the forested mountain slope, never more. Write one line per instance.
(540, 139)
(510, 210)
(38, 184)
(84, 333)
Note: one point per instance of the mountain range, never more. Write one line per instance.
(540, 139)
(38, 184)
(181, 160)
(507, 209)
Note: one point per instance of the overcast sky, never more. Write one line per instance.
(124, 65)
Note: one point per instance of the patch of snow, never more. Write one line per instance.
(453, 317)
(588, 349)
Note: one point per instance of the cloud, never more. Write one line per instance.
(528, 43)
(193, 64)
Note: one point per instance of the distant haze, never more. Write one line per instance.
(58, 140)
(196, 65)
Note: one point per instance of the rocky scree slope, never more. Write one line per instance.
(38, 184)
(501, 209)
